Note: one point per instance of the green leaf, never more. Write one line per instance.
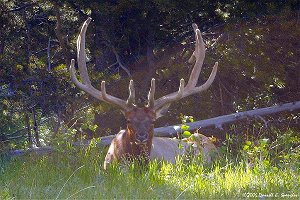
(185, 127)
(192, 138)
(180, 146)
(246, 147)
(248, 143)
(275, 169)
(266, 163)
(186, 134)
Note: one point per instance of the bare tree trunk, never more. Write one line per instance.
(27, 123)
(100, 52)
(150, 60)
(62, 38)
(27, 44)
(35, 128)
(149, 70)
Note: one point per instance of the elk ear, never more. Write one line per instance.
(162, 111)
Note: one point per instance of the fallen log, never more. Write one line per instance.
(218, 122)
(171, 131)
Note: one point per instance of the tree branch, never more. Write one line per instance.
(117, 58)
(20, 8)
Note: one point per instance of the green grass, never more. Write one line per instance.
(79, 175)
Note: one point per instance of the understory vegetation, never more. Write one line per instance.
(251, 168)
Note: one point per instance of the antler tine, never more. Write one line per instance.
(81, 54)
(205, 86)
(171, 97)
(73, 75)
(197, 57)
(91, 90)
(151, 94)
(86, 85)
(193, 58)
(131, 97)
(113, 100)
(81, 57)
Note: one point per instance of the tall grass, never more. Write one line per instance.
(78, 174)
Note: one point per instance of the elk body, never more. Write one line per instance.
(136, 141)
(167, 149)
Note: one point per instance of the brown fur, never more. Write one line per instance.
(126, 145)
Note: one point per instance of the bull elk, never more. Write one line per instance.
(136, 141)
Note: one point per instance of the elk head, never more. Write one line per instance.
(140, 119)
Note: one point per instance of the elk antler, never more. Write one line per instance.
(198, 57)
(86, 83)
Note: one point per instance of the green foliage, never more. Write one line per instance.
(64, 141)
(184, 127)
(270, 155)
(258, 57)
(186, 134)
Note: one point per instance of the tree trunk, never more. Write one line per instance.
(100, 50)
(27, 123)
(35, 128)
(28, 45)
(148, 71)
(62, 38)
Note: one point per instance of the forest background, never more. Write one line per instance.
(255, 42)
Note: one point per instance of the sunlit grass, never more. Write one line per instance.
(79, 175)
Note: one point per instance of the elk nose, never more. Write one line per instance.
(141, 140)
